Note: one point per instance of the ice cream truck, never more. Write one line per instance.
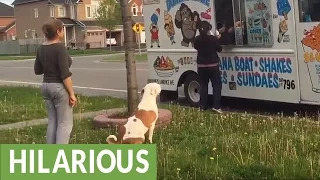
(271, 47)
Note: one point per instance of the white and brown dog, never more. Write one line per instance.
(134, 131)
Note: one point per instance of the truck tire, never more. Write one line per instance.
(192, 89)
(168, 95)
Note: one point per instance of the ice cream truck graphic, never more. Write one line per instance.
(271, 48)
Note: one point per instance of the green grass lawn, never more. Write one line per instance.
(13, 57)
(26, 103)
(86, 52)
(143, 57)
(90, 52)
(197, 145)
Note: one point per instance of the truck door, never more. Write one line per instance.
(308, 48)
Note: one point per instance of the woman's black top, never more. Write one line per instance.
(53, 61)
(207, 47)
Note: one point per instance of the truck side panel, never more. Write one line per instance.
(254, 72)
(171, 27)
(308, 48)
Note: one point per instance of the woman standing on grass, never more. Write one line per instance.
(208, 60)
(53, 61)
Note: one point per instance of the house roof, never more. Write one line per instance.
(137, 2)
(6, 10)
(90, 23)
(16, 2)
(62, 1)
(137, 19)
(2, 30)
(68, 21)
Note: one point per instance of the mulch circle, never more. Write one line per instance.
(116, 117)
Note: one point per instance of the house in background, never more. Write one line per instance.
(7, 23)
(32, 14)
(136, 7)
(77, 16)
(86, 15)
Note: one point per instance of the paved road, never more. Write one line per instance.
(93, 77)
(90, 75)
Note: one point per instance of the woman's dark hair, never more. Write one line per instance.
(204, 28)
(51, 27)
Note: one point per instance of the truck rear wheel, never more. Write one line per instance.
(192, 89)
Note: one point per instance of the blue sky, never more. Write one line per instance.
(7, 1)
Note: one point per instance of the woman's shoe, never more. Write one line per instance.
(217, 110)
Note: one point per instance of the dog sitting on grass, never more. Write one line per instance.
(143, 122)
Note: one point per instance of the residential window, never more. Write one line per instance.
(52, 11)
(134, 10)
(33, 34)
(36, 13)
(72, 11)
(89, 12)
(62, 11)
(95, 9)
(309, 10)
(243, 22)
(141, 10)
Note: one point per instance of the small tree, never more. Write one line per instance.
(132, 85)
(108, 15)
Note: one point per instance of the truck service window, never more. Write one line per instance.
(309, 10)
(244, 22)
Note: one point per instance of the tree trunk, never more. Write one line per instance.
(110, 37)
(132, 87)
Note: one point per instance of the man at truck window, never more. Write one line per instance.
(207, 46)
(225, 25)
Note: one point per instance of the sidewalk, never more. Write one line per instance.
(36, 122)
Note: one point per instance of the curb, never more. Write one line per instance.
(36, 122)
(121, 61)
(104, 119)
(73, 56)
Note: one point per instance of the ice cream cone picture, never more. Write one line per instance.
(154, 29)
(284, 8)
(311, 47)
(169, 27)
(155, 17)
(283, 28)
(205, 16)
(285, 16)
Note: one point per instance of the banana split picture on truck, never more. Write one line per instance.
(272, 52)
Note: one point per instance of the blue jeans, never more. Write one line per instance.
(60, 113)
